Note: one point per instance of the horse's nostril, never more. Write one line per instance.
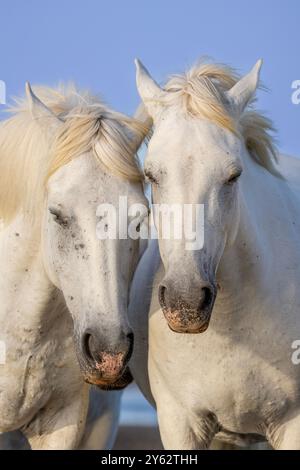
(128, 355)
(88, 346)
(162, 295)
(130, 337)
(206, 298)
(95, 348)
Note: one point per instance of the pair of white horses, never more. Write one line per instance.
(213, 328)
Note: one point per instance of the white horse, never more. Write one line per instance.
(235, 379)
(60, 159)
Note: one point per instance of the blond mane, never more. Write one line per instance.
(201, 92)
(28, 158)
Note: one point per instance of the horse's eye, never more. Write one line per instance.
(58, 217)
(150, 178)
(233, 178)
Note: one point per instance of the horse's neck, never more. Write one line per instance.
(25, 289)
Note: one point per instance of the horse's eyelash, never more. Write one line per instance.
(150, 177)
(234, 177)
(58, 217)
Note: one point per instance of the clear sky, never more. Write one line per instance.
(94, 42)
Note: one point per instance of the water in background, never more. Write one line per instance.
(135, 410)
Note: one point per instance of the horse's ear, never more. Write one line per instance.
(149, 90)
(243, 91)
(40, 112)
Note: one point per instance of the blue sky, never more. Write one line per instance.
(94, 42)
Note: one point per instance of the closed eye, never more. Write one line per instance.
(233, 178)
(58, 217)
(150, 178)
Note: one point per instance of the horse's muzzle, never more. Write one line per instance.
(187, 315)
(104, 364)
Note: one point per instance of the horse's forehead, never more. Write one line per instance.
(83, 180)
(190, 139)
(178, 129)
(73, 172)
(81, 174)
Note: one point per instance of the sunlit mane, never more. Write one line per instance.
(28, 159)
(201, 91)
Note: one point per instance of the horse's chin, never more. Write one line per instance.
(113, 383)
(188, 329)
(187, 322)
